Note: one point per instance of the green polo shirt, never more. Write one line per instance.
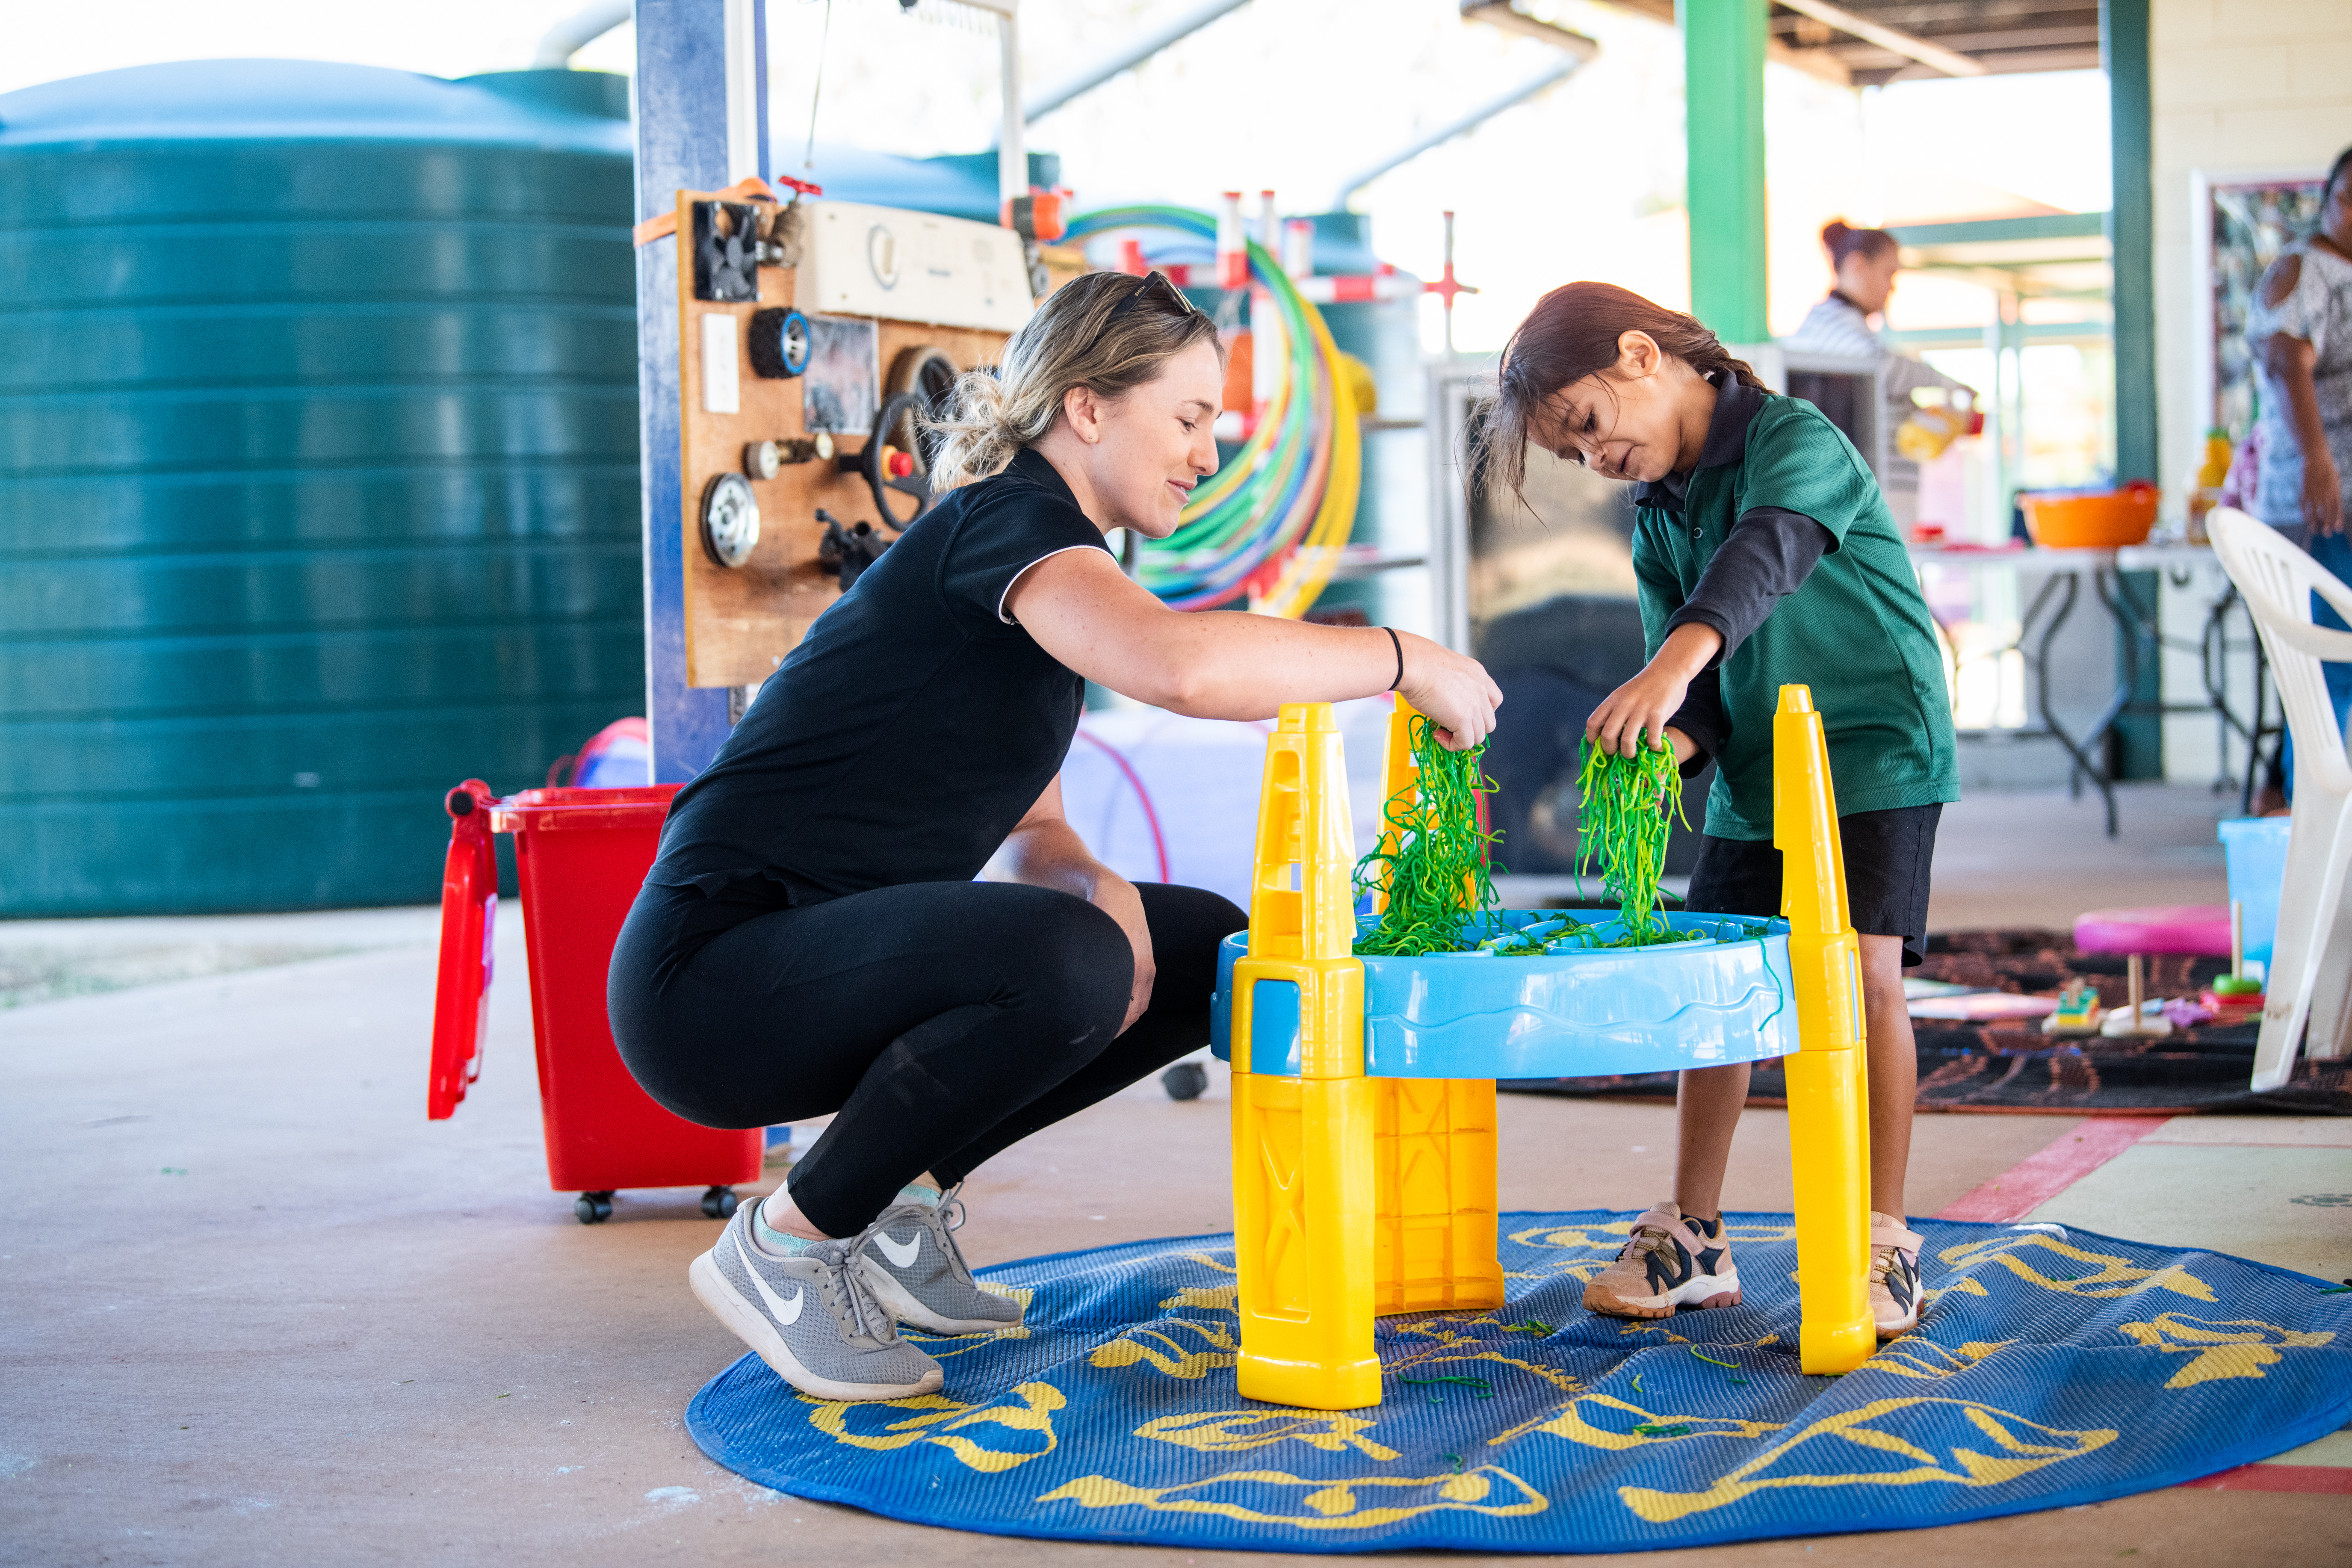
(1857, 631)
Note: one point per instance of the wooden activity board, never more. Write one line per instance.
(742, 620)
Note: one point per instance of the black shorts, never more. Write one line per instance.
(1888, 855)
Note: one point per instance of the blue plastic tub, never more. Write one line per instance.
(1565, 1015)
(2255, 847)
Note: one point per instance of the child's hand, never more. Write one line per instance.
(1642, 705)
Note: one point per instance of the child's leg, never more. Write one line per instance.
(1894, 1071)
(1708, 1102)
(1678, 1253)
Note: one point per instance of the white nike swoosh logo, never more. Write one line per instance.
(901, 1253)
(786, 1313)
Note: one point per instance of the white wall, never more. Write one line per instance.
(2238, 86)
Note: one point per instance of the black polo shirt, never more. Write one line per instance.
(912, 727)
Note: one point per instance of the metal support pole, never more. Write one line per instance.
(2131, 235)
(1723, 117)
(1011, 157)
(1449, 131)
(747, 89)
(701, 126)
(2131, 241)
(1126, 57)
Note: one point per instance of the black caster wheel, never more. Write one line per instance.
(718, 1203)
(594, 1208)
(1185, 1080)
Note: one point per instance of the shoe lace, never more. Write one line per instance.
(951, 1217)
(1881, 1263)
(848, 1290)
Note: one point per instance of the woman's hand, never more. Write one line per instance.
(1643, 704)
(1116, 896)
(2323, 490)
(1456, 691)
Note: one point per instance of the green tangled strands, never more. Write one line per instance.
(1627, 809)
(1436, 875)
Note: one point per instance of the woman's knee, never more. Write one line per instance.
(1187, 926)
(1074, 964)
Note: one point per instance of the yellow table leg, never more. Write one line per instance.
(1435, 1210)
(1303, 1124)
(1435, 1218)
(1829, 1093)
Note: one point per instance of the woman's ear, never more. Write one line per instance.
(1638, 355)
(1083, 412)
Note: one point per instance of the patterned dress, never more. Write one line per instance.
(2319, 309)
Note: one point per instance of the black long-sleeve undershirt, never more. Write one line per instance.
(1768, 555)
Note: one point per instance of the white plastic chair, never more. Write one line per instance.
(2310, 971)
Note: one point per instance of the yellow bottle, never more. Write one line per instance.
(2218, 453)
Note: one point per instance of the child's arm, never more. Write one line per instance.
(1643, 704)
(1768, 555)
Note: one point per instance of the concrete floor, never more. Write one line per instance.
(2041, 860)
(260, 1310)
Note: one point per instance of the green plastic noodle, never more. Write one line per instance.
(1440, 896)
(1626, 812)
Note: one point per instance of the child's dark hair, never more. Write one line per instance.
(1841, 241)
(2334, 173)
(1571, 333)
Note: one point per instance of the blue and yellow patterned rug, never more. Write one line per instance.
(2052, 1369)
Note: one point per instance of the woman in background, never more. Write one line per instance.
(2300, 334)
(1865, 261)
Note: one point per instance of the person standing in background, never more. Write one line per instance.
(1865, 261)
(2299, 334)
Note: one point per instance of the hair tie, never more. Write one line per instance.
(1399, 644)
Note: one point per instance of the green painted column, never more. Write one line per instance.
(1723, 97)
(2139, 737)
(2131, 235)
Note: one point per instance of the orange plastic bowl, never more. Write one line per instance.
(2091, 521)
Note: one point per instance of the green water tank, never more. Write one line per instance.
(318, 478)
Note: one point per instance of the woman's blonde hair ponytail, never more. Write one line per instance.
(1097, 332)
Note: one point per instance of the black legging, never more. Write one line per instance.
(939, 1021)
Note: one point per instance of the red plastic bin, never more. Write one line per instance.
(579, 855)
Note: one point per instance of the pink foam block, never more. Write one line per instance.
(2199, 929)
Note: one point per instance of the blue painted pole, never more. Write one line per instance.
(682, 119)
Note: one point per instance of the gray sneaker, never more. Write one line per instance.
(918, 1275)
(812, 1316)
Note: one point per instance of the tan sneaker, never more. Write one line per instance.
(1672, 1261)
(1895, 1291)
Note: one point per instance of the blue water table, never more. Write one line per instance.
(1364, 1088)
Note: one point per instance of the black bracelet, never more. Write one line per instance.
(1399, 644)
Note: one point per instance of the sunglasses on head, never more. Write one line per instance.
(1162, 292)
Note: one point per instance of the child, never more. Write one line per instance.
(1765, 554)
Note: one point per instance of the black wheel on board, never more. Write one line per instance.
(1185, 1080)
(718, 1203)
(892, 424)
(592, 1208)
